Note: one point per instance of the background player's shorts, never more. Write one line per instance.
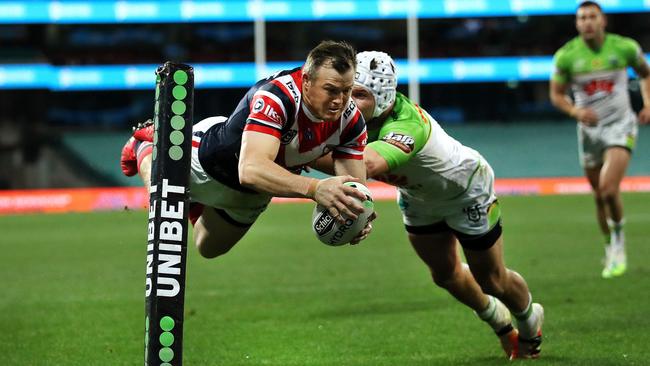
(474, 213)
(592, 141)
(242, 207)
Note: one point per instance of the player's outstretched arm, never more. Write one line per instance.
(375, 163)
(258, 170)
(352, 167)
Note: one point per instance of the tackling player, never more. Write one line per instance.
(280, 125)
(595, 65)
(446, 195)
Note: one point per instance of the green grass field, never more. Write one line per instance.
(73, 293)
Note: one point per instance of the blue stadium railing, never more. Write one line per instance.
(235, 75)
(173, 11)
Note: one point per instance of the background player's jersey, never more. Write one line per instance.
(274, 106)
(424, 161)
(599, 78)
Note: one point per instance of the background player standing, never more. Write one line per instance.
(595, 65)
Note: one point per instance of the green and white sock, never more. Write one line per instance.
(489, 311)
(495, 318)
(617, 237)
(526, 320)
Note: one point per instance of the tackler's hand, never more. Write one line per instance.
(366, 230)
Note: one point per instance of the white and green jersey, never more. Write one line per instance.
(599, 78)
(423, 160)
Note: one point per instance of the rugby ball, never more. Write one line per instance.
(331, 232)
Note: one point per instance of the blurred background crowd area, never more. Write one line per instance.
(39, 128)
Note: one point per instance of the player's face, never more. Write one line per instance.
(590, 22)
(328, 93)
(364, 100)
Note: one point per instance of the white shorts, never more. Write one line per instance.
(593, 141)
(474, 213)
(242, 207)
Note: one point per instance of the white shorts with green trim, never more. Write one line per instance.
(474, 212)
(593, 141)
(242, 207)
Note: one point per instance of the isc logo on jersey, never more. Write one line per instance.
(350, 109)
(402, 142)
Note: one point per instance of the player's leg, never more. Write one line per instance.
(476, 221)
(590, 151)
(616, 162)
(489, 270)
(437, 246)
(439, 251)
(136, 153)
(144, 169)
(215, 231)
(602, 213)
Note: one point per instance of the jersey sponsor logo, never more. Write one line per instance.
(596, 86)
(259, 105)
(596, 63)
(292, 88)
(403, 142)
(288, 136)
(272, 114)
(348, 112)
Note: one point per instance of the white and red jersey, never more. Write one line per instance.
(274, 106)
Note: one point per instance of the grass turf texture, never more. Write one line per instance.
(73, 292)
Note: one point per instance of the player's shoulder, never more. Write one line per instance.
(285, 85)
(282, 79)
(406, 117)
(620, 38)
(406, 112)
(622, 42)
(570, 48)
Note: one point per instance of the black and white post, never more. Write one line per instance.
(168, 212)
